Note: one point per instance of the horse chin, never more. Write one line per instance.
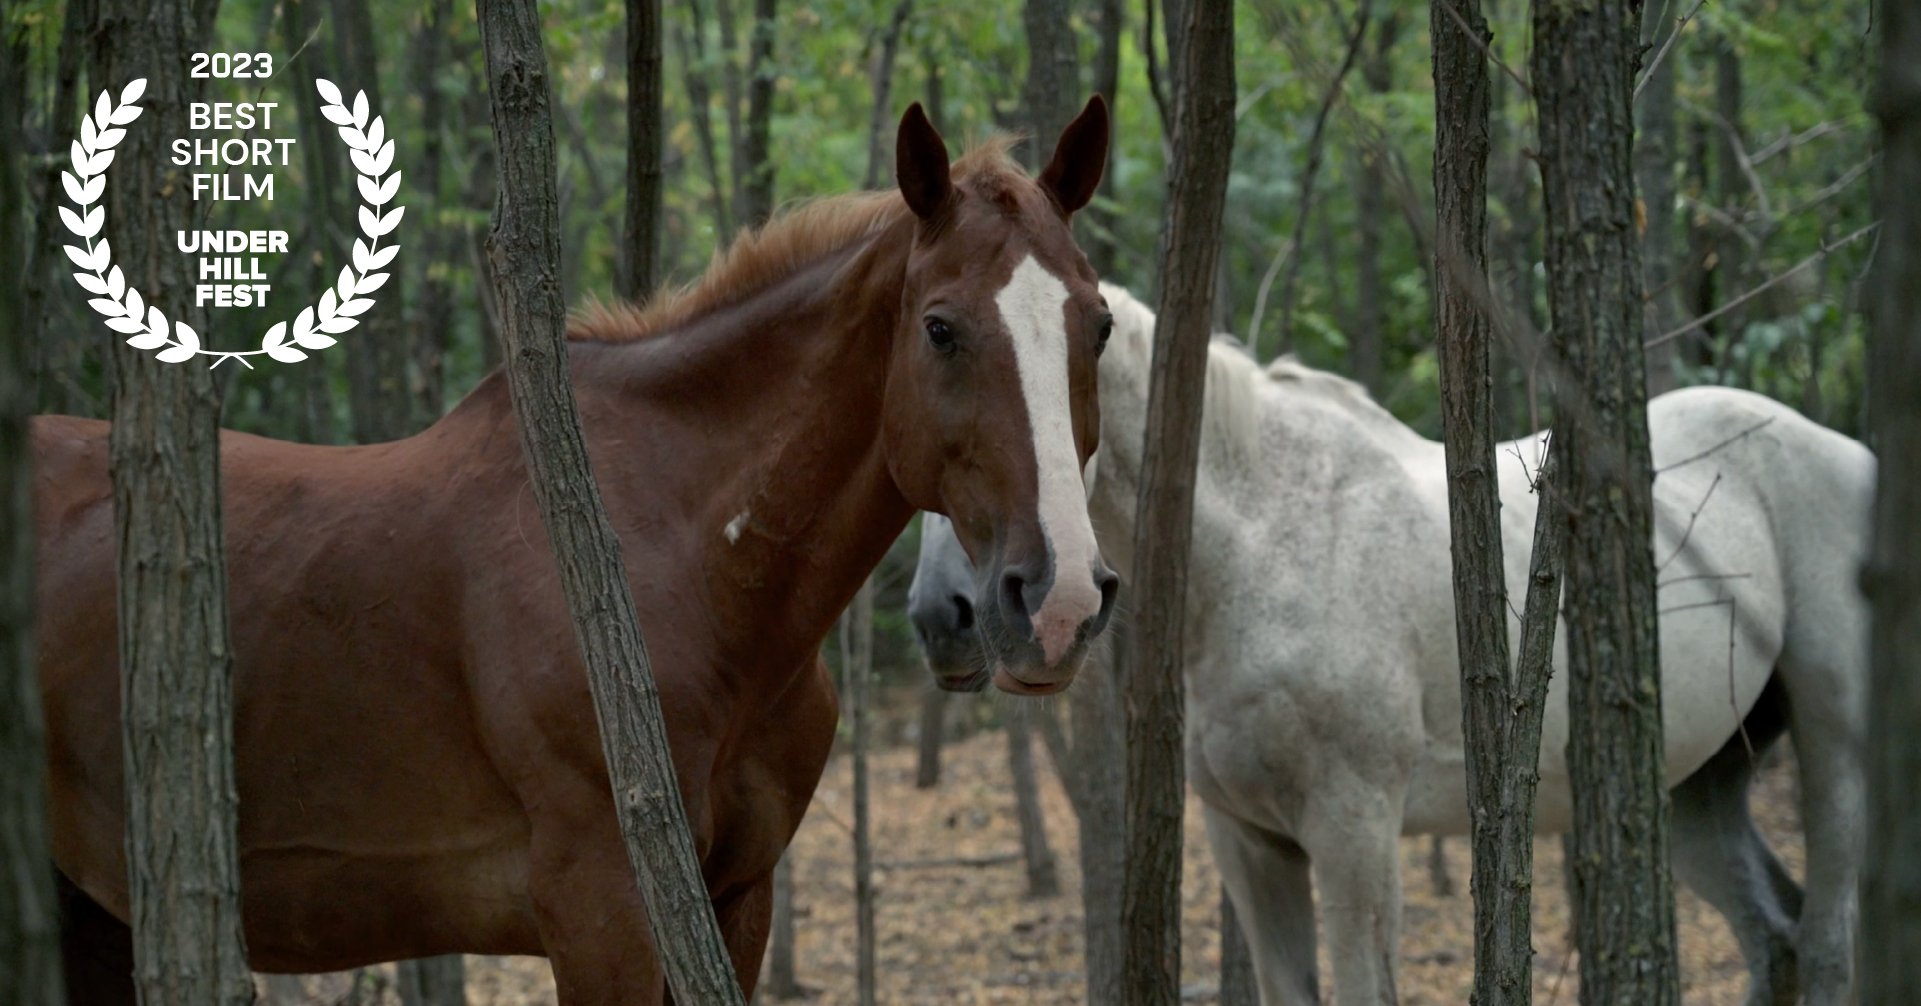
(1007, 681)
(967, 681)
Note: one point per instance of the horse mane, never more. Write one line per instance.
(1350, 395)
(800, 234)
(1230, 405)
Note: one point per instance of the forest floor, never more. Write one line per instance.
(967, 934)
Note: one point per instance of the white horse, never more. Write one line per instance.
(1323, 689)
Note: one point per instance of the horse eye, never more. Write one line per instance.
(1100, 336)
(940, 334)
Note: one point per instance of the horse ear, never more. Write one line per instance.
(920, 164)
(1080, 158)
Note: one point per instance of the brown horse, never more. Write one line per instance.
(419, 769)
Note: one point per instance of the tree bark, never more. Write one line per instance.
(781, 981)
(175, 658)
(856, 664)
(757, 165)
(56, 351)
(322, 160)
(1237, 963)
(1654, 159)
(524, 248)
(1092, 771)
(1583, 78)
(1367, 352)
(1890, 955)
(1043, 881)
(1053, 75)
(880, 153)
(1202, 143)
(640, 266)
(933, 727)
(29, 925)
(1097, 222)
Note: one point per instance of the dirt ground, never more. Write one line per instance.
(955, 934)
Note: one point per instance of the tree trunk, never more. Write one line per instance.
(1097, 222)
(1202, 143)
(29, 927)
(176, 661)
(757, 165)
(524, 248)
(1583, 76)
(856, 664)
(377, 367)
(1654, 158)
(1237, 964)
(1042, 880)
(322, 159)
(1091, 770)
(640, 265)
(435, 312)
(432, 981)
(1367, 352)
(55, 351)
(781, 981)
(933, 727)
(1731, 187)
(700, 100)
(880, 151)
(1890, 954)
(1053, 75)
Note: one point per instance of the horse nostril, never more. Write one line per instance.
(1014, 594)
(963, 613)
(1109, 583)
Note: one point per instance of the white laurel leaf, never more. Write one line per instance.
(392, 219)
(184, 334)
(102, 257)
(93, 188)
(94, 284)
(356, 308)
(328, 92)
(370, 282)
(133, 91)
(89, 136)
(274, 337)
(99, 162)
(116, 283)
(176, 354)
(76, 189)
(81, 160)
(384, 160)
(317, 341)
(363, 162)
(129, 326)
(346, 284)
(379, 259)
(353, 137)
(338, 323)
(370, 191)
(303, 323)
(286, 354)
(136, 308)
(360, 109)
(370, 224)
(80, 257)
(102, 110)
(337, 115)
(156, 322)
(106, 306)
(142, 337)
(389, 189)
(125, 114)
(328, 305)
(82, 227)
(376, 134)
(112, 137)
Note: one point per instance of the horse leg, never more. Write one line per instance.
(1718, 853)
(590, 915)
(1827, 743)
(96, 950)
(1266, 877)
(1357, 869)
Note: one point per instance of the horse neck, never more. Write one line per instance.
(775, 478)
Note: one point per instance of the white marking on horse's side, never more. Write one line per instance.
(1033, 306)
(734, 526)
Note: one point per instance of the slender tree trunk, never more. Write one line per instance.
(933, 725)
(321, 159)
(1890, 955)
(881, 76)
(1654, 160)
(1053, 74)
(524, 248)
(175, 658)
(29, 926)
(757, 165)
(1438, 877)
(731, 97)
(1237, 964)
(1583, 77)
(700, 101)
(1731, 186)
(435, 312)
(1042, 879)
(640, 260)
(55, 351)
(1367, 350)
(781, 980)
(856, 663)
(377, 368)
(1096, 224)
(1092, 771)
(433, 981)
(1203, 143)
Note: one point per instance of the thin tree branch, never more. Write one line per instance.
(1647, 73)
(1827, 248)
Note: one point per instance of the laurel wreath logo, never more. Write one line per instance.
(146, 326)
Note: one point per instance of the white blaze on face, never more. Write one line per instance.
(1033, 306)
